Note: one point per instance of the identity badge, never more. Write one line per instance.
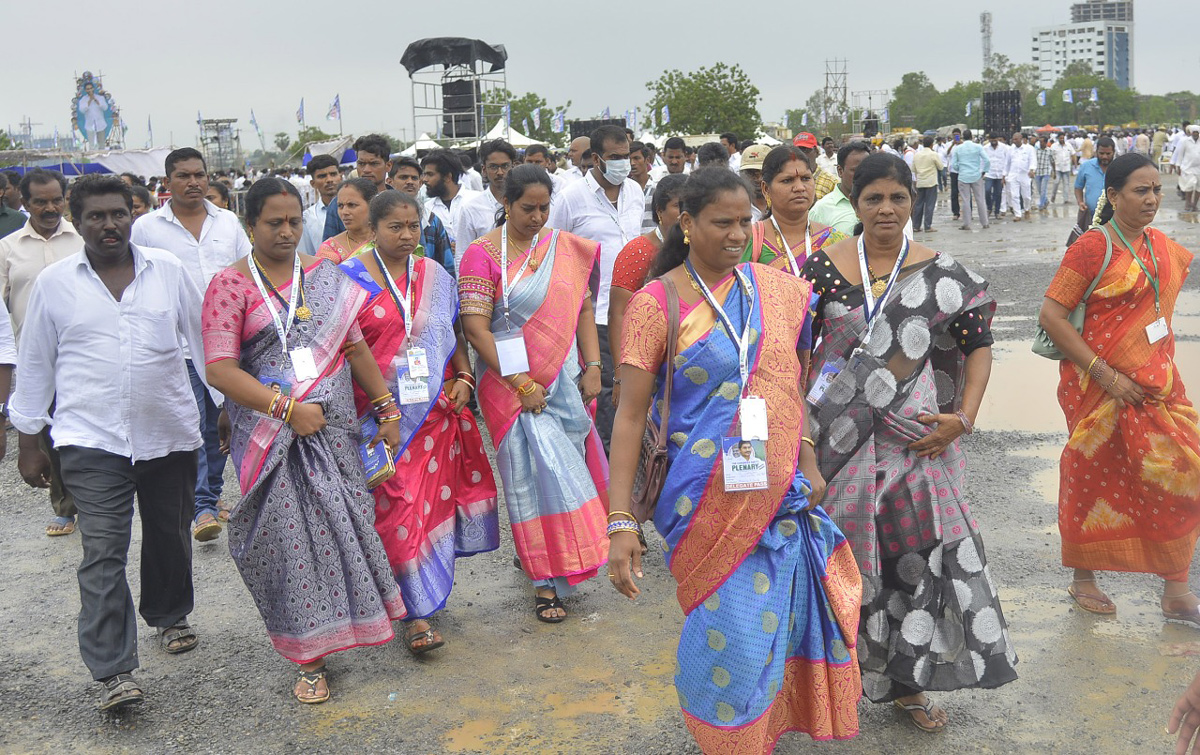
(829, 371)
(303, 364)
(1157, 330)
(753, 411)
(510, 350)
(413, 391)
(418, 366)
(744, 463)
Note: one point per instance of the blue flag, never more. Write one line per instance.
(1095, 95)
(666, 114)
(1041, 98)
(1068, 96)
(300, 112)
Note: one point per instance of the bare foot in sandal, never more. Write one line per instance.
(312, 687)
(923, 713)
(421, 638)
(1088, 595)
(547, 606)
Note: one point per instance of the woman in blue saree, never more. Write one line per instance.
(768, 585)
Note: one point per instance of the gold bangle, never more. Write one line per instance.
(1116, 375)
(809, 441)
(287, 417)
(1093, 363)
(381, 398)
(626, 513)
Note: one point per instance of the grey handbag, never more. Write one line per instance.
(1042, 345)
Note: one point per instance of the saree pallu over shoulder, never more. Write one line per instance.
(710, 532)
(1149, 520)
(911, 330)
(768, 254)
(549, 330)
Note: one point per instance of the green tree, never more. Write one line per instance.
(5, 142)
(522, 112)
(282, 140)
(306, 135)
(706, 101)
(914, 94)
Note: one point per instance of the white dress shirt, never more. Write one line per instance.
(115, 369)
(24, 254)
(998, 157)
(314, 227)
(570, 175)
(735, 162)
(1021, 160)
(8, 343)
(222, 240)
(471, 180)
(1062, 156)
(473, 218)
(584, 210)
(827, 163)
(447, 212)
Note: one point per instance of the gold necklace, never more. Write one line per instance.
(692, 280)
(533, 263)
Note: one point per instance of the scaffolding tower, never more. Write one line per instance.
(836, 103)
(221, 143)
(459, 87)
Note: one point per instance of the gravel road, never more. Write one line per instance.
(602, 681)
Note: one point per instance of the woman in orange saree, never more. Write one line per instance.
(1129, 489)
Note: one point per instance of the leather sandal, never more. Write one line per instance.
(1189, 616)
(312, 679)
(120, 690)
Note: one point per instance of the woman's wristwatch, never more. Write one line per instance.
(591, 364)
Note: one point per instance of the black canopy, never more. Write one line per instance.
(452, 51)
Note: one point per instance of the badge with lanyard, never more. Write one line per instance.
(787, 248)
(875, 295)
(1157, 330)
(303, 364)
(752, 410)
(510, 345)
(413, 387)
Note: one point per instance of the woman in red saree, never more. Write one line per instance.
(524, 293)
(441, 503)
(1129, 489)
(353, 199)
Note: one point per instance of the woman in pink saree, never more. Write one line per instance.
(524, 294)
(303, 535)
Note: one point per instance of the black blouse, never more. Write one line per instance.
(970, 329)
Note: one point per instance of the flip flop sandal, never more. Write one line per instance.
(312, 679)
(181, 633)
(60, 525)
(223, 513)
(120, 691)
(541, 605)
(206, 528)
(431, 642)
(1190, 617)
(927, 709)
(1109, 609)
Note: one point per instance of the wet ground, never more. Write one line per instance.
(602, 681)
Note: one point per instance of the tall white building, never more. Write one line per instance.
(1106, 46)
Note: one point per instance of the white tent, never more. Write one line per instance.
(140, 162)
(651, 138)
(768, 140)
(423, 144)
(507, 133)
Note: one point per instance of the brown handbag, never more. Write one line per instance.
(652, 465)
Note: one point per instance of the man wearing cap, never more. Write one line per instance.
(823, 181)
(1188, 154)
(752, 165)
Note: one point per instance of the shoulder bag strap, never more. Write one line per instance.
(1107, 259)
(672, 345)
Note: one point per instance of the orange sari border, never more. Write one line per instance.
(726, 527)
(805, 702)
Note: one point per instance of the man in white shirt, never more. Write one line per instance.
(1062, 153)
(577, 153)
(104, 341)
(477, 215)
(674, 156)
(996, 152)
(324, 177)
(539, 155)
(606, 207)
(440, 172)
(827, 159)
(1018, 180)
(45, 239)
(1189, 168)
(471, 179)
(729, 142)
(206, 239)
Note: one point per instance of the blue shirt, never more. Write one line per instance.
(1091, 179)
(970, 161)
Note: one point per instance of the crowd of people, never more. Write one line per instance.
(780, 311)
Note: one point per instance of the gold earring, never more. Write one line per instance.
(687, 240)
(251, 237)
(768, 201)
(506, 215)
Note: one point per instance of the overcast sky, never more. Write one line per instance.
(168, 60)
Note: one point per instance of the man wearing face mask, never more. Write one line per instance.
(605, 206)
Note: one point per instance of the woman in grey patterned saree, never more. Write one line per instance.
(898, 375)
